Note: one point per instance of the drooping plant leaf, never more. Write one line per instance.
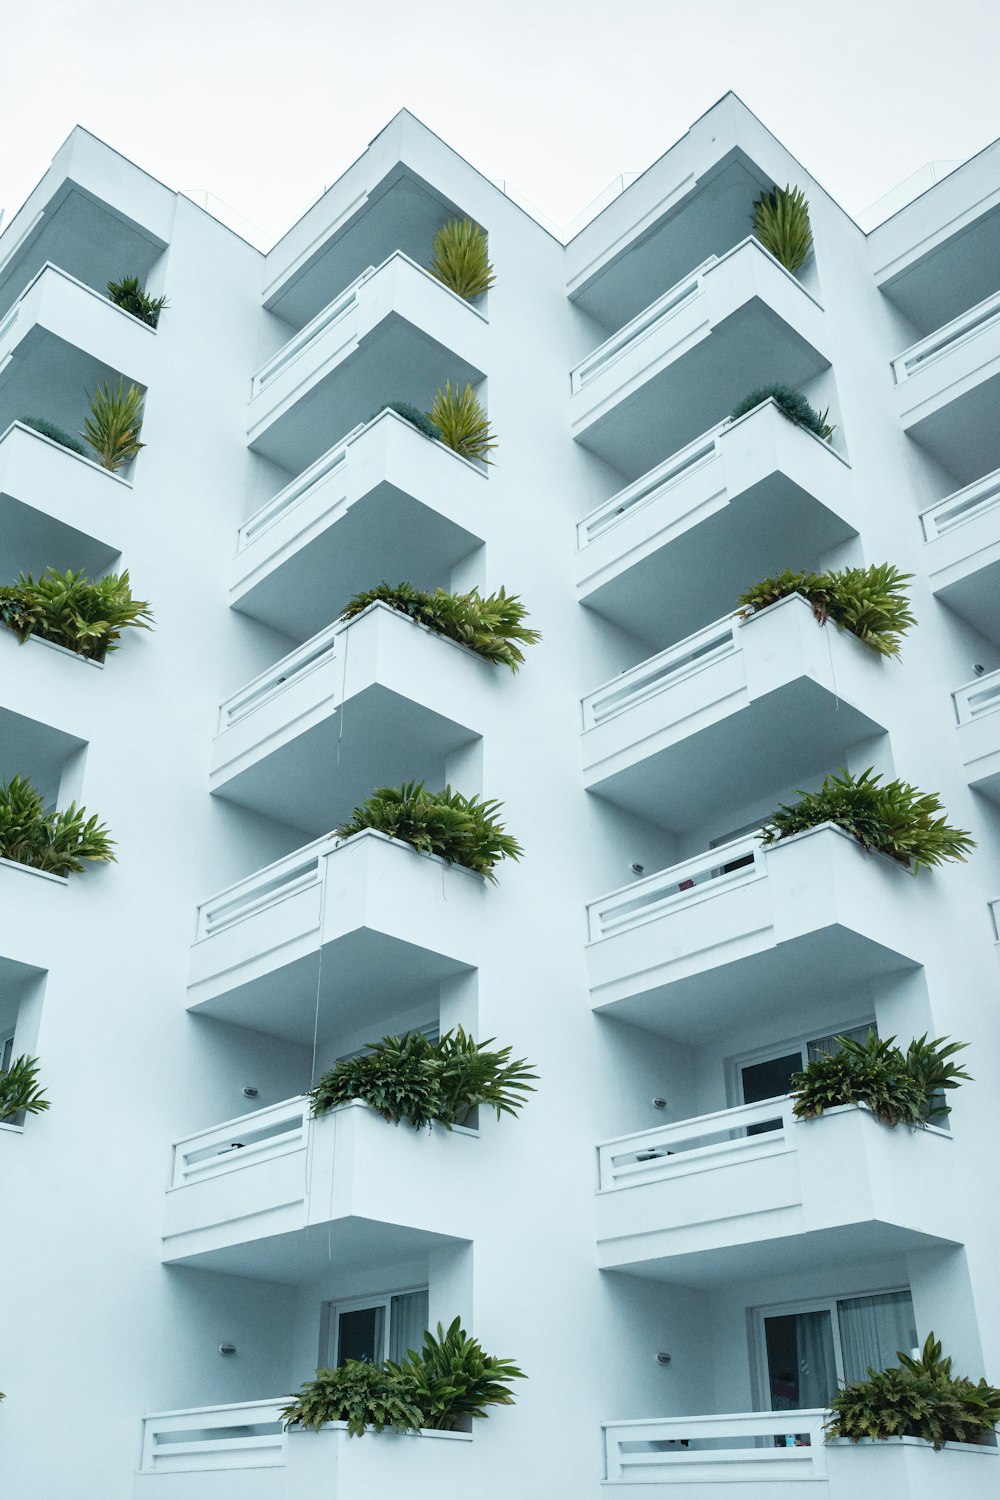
(20, 1092)
(916, 1398)
(930, 1064)
(781, 223)
(462, 830)
(57, 842)
(114, 424)
(50, 430)
(792, 404)
(461, 259)
(73, 611)
(491, 626)
(454, 1379)
(128, 295)
(872, 603)
(462, 423)
(891, 818)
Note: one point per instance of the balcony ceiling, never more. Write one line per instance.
(964, 435)
(951, 278)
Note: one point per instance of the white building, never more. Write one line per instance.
(234, 950)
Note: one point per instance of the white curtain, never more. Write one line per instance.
(407, 1324)
(873, 1330)
(817, 1367)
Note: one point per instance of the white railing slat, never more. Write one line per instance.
(649, 487)
(317, 651)
(328, 463)
(982, 696)
(650, 677)
(285, 877)
(753, 1435)
(286, 1123)
(644, 899)
(943, 339)
(966, 504)
(687, 1145)
(671, 300)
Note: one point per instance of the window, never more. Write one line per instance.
(803, 1350)
(6, 1049)
(373, 1328)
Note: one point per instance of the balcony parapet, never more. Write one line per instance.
(962, 540)
(61, 305)
(968, 504)
(976, 709)
(960, 330)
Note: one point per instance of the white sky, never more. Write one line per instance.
(265, 102)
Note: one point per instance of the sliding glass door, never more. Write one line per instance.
(805, 1350)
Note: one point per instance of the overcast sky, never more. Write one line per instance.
(265, 102)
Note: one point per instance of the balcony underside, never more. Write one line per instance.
(48, 377)
(397, 361)
(974, 594)
(34, 748)
(750, 348)
(790, 735)
(958, 426)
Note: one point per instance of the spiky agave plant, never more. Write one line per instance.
(462, 423)
(792, 404)
(872, 603)
(20, 1092)
(461, 259)
(114, 424)
(128, 295)
(462, 830)
(781, 223)
(71, 610)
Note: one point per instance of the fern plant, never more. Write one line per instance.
(50, 430)
(19, 1089)
(461, 259)
(891, 818)
(412, 414)
(492, 627)
(359, 1393)
(917, 1398)
(792, 404)
(872, 603)
(453, 1379)
(114, 424)
(462, 830)
(69, 609)
(58, 842)
(411, 1078)
(781, 223)
(128, 295)
(462, 423)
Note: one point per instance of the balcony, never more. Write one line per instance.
(738, 321)
(397, 333)
(962, 536)
(245, 1195)
(774, 693)
(742, 924)
(947, 387)
(976, 707)
(387, 920)
(58, 342)
(384, 503)
(57, 509)
(372, 702)
(690, 1202)
(674, 550)
(702, 1458)
(213, 1441)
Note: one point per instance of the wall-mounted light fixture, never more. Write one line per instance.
(227, 1348)
(249, 1091)
(663, 1358)
(638, 869)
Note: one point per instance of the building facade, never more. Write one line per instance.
(185, 1243)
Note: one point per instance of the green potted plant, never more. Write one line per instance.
(462, 830)
(780, 221)
(412, 414)
(491, 627)
(872, 603)
(462, 423)
(897, 1087)
(792, 404)
(59, 842)
(50, 430)
(460, 259)
(20, 1093)
(113, 426)
(918, 1398)
(128, 295)
(82, 615)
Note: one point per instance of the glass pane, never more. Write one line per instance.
(361, 1335)
(801, 1369)
(407, 1324)
(766, 1080)
(830, 1045)
(873, 1330)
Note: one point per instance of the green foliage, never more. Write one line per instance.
(114, 424)
(893, 819)
(916, 1398)
(73, 611)
(491, 627)
(462, 830)
(361, 1394)
(461, 259)
(410, 1077)
(50, 430)
(57, 842)
(872, 603)
(792, 404)
(128, 295)
(929, 1063)
(462, 423)
(454, 1379)
(19, 1089)
(781, 223)
(412, 414)
(872, 1073)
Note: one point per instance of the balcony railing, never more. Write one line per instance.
(248, 1436)
(261, 1136)
(701, 1144)
(291, 668)
(286, 877)
(744, 1447)
(735, 863)
(966, 326)
(55, 275)
(658, 672)
(283, 501)
(978, 698)
(650, 487)
(964, 505)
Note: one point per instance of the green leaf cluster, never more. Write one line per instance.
(128, 295)
(71, 610)
(780, 221)
(411, 1078)
(412, 414)
(462, 830)
(448, 1381)
(898, 1087)
(50, 430)
(114, 424)
(792, 404)
(461, 259)
(916, 1398)
(891, 818)
(57, 842)
(20, 1092)
(492, 627)
(462, 423)
(872, 603)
